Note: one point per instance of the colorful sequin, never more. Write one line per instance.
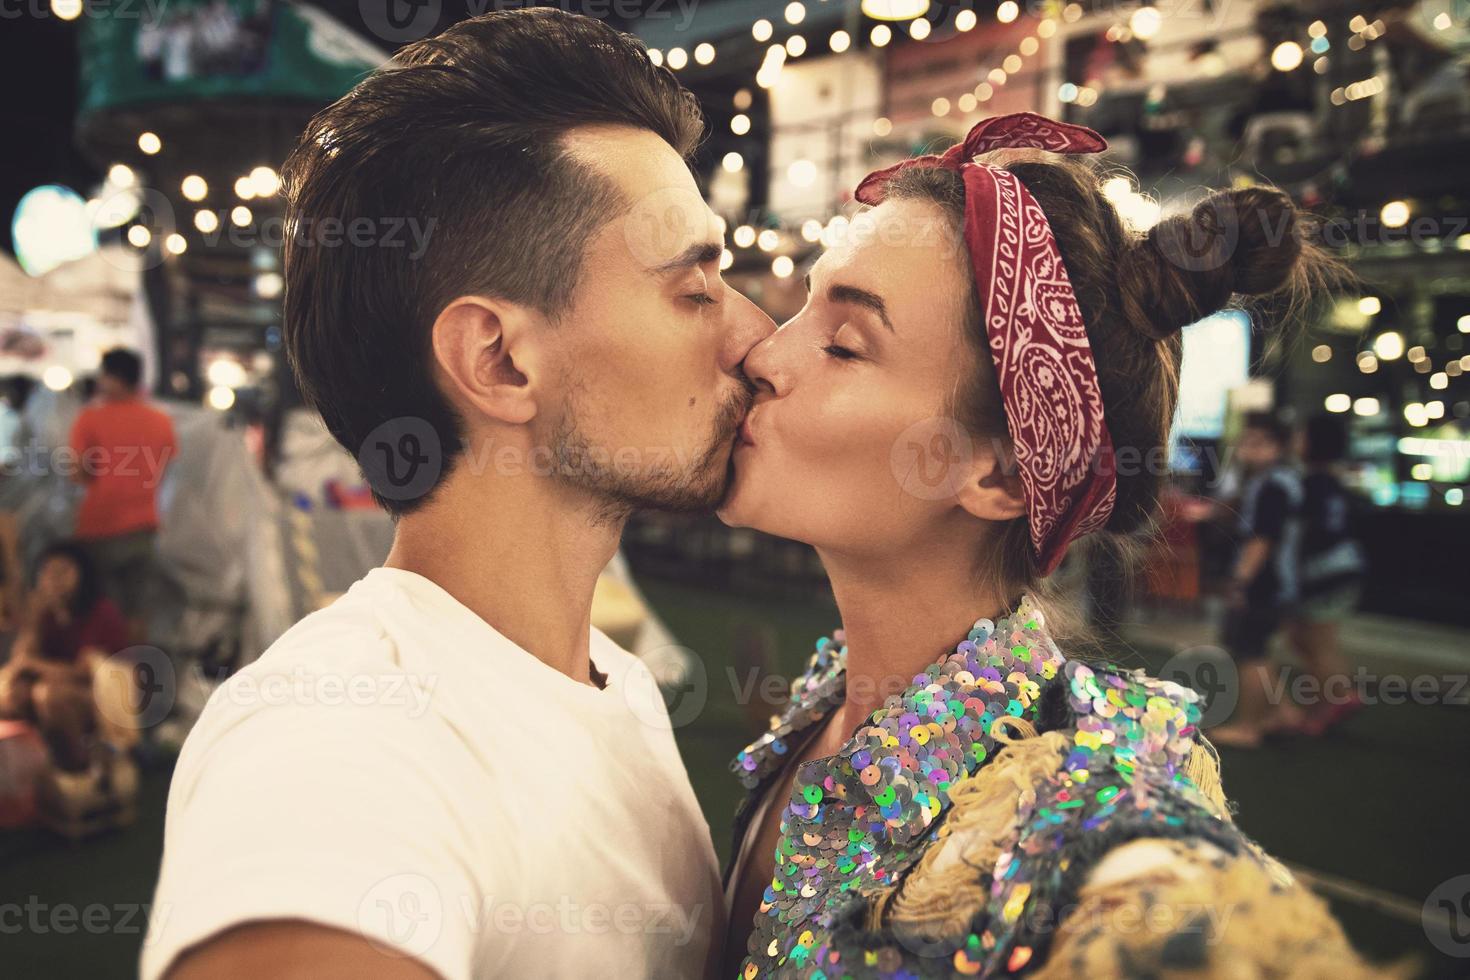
(858, 821)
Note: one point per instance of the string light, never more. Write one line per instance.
(678, 58)
(1389, 346)
(1007, 11)
(796, 46)
(895, 9)
(1394, 214)
(920, 29)
(881, 35)
(705, 53)
(206, 221)
(1145, 22)
(744, 236)
(795, 12)
(149, 143)
(840, 41)
(194, 187)
(965, 21)
(175, 244)
(740, 124)
(783, 267)
(802, 173)
(265, 181)
(762, 30)
(1287, 56)
(733, 162)
(656, 56)
(768, 240)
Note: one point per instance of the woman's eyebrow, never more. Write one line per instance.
(855, 296)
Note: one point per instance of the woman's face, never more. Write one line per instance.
(57, 578)
(849, 447)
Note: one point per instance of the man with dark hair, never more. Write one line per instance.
(504, 297)
(123, 447)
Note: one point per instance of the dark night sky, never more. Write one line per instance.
(38, 74)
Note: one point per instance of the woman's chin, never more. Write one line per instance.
(736, 510)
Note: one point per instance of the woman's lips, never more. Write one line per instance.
(746, 439)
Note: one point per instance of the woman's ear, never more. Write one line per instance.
(993, 490)
(485, 348)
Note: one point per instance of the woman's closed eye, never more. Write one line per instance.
(841, 353)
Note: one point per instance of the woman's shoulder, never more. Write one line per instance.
(1103, 842)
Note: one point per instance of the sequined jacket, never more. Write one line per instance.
(1012, 813)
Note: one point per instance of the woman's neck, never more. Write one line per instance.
(902, 614)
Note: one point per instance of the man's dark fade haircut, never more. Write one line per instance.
(459, 139)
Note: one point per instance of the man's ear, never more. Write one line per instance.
(993, 490)
(485, 349)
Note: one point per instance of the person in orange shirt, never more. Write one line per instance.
(123, 445)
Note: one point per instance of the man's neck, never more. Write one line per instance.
(521, 553)
(901, 614)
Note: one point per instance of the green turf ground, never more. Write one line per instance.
(1383, 804)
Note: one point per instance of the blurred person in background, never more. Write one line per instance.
(985, 371)
(13, 393)
(1264, 585)
(123, 445)
(1332, 570)
(12, 579)
(69, 626)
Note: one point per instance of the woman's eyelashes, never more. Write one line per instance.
(840, 353)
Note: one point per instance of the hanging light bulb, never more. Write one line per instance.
(895, 9)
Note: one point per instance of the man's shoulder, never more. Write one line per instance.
(327, 672)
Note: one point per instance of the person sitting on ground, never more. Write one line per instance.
(69, 628)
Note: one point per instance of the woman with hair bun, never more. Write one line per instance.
(986, 371)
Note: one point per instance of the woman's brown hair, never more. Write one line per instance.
(1137, 293)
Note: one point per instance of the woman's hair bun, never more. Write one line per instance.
(1234, 243)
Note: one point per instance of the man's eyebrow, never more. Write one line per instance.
(699, 253)
(839, 293)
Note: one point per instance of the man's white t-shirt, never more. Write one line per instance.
(394, 767)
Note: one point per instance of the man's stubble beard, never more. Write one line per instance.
(695, 487)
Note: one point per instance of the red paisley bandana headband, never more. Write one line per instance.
(1043, 361)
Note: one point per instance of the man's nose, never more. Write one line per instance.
(746, 326)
